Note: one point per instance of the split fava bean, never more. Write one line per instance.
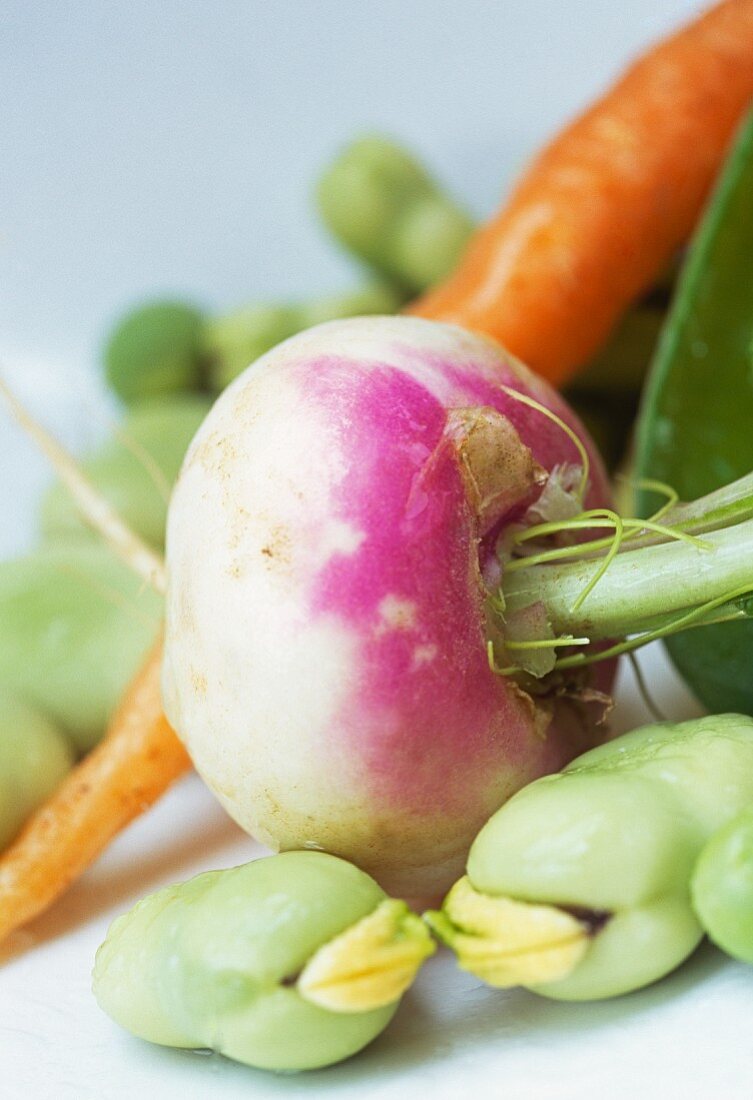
(34, 757)
(75, 624)
(135, 471)
(579, 887)
(288, 963)
(723, 887)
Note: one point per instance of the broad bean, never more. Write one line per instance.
(288, 963)
(235, 340)
(722, 887)
(136, 471)
(155, 349)
(383, 206)
(34, 757)
(579, 887)
(74, 627)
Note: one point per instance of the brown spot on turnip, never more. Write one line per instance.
(497, 468)
(215, 454)
(240, 522)
(184, 614)
(277, 550)
(198, 682)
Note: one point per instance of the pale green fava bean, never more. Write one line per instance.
(614, 839)
(215, 962)
(34, 757)
(382, 205)
(134, 472)
(155, 349)
(723, 887)
(75, 625)
(375, 298)
(234, 341)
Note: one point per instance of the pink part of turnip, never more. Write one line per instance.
(326, 649)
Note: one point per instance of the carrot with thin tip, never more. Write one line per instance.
(605, 206)
(137, 760)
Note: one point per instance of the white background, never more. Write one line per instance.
(171, 147)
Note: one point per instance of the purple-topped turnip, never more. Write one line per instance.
(332, 547)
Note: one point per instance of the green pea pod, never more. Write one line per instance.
(288, 963)
(723, 887)
(579, 886)
(34, 757)
(134, 472)
(695, 422)
(74, 627)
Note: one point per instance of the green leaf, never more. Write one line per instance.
(696, 423)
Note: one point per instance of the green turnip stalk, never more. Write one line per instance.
(694, 568)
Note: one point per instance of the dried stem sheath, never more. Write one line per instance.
(94, 508)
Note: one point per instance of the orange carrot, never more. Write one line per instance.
(602, 210)
(131, 767)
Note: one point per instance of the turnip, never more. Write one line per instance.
(330, 553)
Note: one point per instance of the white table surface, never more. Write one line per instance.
(172, 147)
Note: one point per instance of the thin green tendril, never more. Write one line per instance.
(653, 486)
(524, 399)
(619, 531)
(632, 526)
(583, 520)
(556, 526)
(544, 643)
(497, 602)
(547, 643)
(492, 663)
